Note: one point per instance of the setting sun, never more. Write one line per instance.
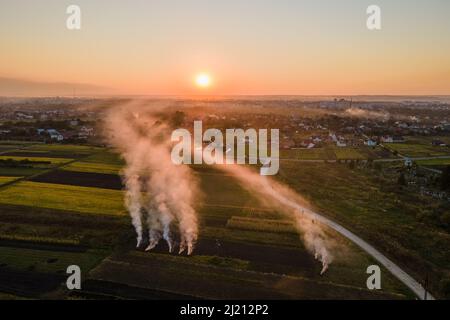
(203, 80)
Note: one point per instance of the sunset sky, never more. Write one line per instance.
(159, 47)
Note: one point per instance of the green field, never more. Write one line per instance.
(418, 150)
(306, 154)
(63, 197)
(20, 171)
(93, 167)
(48, 261)
(53, 161)
(101, 162)
(78, 149)
(15, 143)
(46, 225)
(7, 148)
(393, 220)
(105, 157)
(336, 153)
(36, 215)
(4, 180)
(434, 162)
(268, 225)
(232, 278)
(426, 140)
(349, 154)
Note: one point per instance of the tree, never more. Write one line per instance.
(445, 179)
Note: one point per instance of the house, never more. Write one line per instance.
(408, 162)
(288, 144)
(55, 135)
(23, 116)
(86, 131)
(398, 139)
(341, 143)
(392, 139)
(333, 137)
(402, 125)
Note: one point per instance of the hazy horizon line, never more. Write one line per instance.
(329, 97)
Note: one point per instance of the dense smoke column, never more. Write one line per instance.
(288, 202)
(133, 201)
(164, 191)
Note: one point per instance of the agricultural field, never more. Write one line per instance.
(435, 162)
(57, 196)
(401, 224)
(67, 149)
(59, 227)
(268, 225)
(21, 171)
(238, 251)
(348, 154)
(82, 179)
(236, 279)
(93, 167)
(427, 140)
(38, 160)
(332, 153)
(7, 148)
(308, 154)
(38, 272)
(105, 162)
(243, 243)
(414, 150)
(48, 261)
(4, 180)
(51, 151)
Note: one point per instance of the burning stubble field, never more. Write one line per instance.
(72, 213)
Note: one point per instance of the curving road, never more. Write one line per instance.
(400, 274)
(409, 281)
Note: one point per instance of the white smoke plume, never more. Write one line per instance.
(367, 114)
(288, 202)
(159, 195)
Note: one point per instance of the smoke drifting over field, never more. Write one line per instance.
(159, 194)
(367, 114)
(289, 203)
